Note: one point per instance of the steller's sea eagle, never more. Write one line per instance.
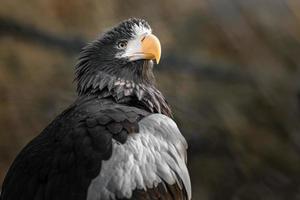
(117, 140)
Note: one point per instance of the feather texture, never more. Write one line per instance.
(154, 155)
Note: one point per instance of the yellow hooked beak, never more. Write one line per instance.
(151, 48)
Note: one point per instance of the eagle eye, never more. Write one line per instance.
(122, 44)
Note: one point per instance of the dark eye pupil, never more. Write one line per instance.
(122, 44)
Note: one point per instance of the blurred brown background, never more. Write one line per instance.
(230, 69)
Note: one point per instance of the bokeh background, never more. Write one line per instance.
(229, 68)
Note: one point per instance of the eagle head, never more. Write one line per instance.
(126, 52)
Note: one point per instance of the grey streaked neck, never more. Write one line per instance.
(132, 84)
(128, 92)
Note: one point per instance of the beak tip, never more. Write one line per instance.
(157, 59)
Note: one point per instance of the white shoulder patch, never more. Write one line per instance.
(157, 153)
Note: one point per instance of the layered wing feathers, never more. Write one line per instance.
(61, 162)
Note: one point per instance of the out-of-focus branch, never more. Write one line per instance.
(72, 45)
(10, 27)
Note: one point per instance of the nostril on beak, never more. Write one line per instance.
(143, 38)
